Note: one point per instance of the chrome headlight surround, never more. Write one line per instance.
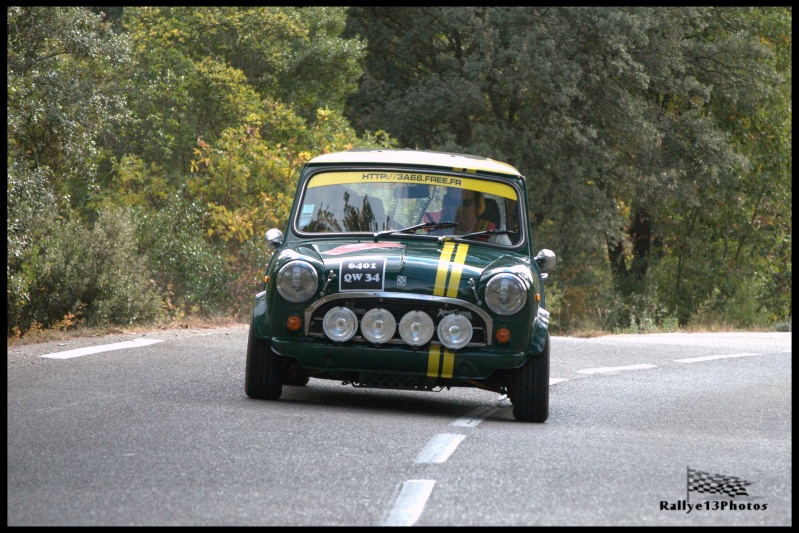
(455, 331)
(340, 324)
(297, 281)
(378, 325)
(505, 294)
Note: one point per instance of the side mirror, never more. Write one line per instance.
(274, 238)
(545, 259)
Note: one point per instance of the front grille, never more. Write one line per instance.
(437, 308)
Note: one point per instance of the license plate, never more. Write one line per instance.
(362, 274)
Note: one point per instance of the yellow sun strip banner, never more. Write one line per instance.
(433, 360)
(449, 364)
(443, 268)
(423, 178)
(457, 269)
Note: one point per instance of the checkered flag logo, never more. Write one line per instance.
(699, 481)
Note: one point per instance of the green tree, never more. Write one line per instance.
(61, 103)
(61, 107)
(733, 250)
(228, 104)
(192, 122)
(203, 70)
(618, 116)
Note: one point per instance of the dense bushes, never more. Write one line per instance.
(187, 270)
(131, 266)
(77, 274)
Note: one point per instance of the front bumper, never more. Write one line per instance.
(431, 361)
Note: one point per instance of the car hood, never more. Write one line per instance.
(423, 266)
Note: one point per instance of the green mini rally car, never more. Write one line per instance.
(405, 269)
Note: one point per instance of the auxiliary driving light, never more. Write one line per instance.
(416, 328)
(378, 325)
(455, 331)
(340, 324)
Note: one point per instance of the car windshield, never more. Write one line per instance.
(386, 201)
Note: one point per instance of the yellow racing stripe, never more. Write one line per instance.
(433, 361)
(457, 269)
(440, 360)
(443, 268)
(442, 286)
(449, 364)
(435, 366)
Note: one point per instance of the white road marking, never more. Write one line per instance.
(613, 369)
(136, 343)
(712, 357)
(439, 448)
(410, 502)
(474, 417)
(552, 381)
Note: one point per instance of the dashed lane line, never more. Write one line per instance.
(712, 357)
(410, 503)
(613, 369)
(78, 352)
(439, 448)
(414, 493)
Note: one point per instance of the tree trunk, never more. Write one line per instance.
(630, 280)
(641, 234)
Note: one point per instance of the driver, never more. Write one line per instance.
(465, 207)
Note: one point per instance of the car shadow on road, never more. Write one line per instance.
(331, 395)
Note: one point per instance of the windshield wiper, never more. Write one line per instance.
(477, 234)
(411, 229)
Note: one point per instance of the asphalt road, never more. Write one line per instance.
(162, 434)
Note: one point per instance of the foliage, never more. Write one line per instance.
(60, 106)
(656, 142)
(198, 119)
(61, 102)
(31, 208)
(658, 134)
(87, 276)
(188, 271)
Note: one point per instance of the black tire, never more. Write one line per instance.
(262, 373)
(530, 396)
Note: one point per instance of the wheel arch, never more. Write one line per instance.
(260, 316)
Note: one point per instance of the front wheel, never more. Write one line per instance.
(262, 374)
(530, 396)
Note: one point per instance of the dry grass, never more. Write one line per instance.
(587, 333)
(49, 335)
(721, 328)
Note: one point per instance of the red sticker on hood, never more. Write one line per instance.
(347, 248)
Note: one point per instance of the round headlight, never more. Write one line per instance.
(297, 281)
(340, 324)
(455, 331)
(378, 325)
(416, 328)
(505, 294)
